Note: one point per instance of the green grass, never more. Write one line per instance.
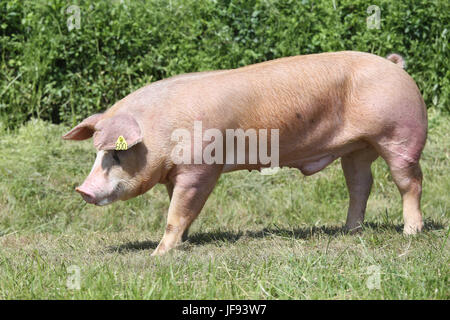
(258, 237)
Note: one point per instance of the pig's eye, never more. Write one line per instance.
(116, 157)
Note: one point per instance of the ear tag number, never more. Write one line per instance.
(121, 143)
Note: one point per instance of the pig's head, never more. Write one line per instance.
(119, 171)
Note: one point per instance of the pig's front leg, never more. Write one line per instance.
(190, 191)
(169, 187)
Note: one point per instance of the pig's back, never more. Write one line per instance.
(309, 97)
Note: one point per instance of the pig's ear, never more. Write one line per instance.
(85, 129)
(119, 132)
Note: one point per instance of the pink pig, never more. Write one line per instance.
(350, 105)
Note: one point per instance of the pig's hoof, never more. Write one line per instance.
(413, 228)
(160, 250)
(156, 253)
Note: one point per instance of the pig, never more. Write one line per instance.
(350, 105)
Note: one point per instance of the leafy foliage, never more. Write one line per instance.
(49, 72)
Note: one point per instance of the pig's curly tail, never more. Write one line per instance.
(397, 59)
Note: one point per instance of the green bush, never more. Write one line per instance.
(52, 73)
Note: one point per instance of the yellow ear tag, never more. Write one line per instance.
(121, 143)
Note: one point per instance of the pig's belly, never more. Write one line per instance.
(307, 165)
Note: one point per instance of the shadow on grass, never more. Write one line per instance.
(298, 233)
(306, 233)
(133, 246)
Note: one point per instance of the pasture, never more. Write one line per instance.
(258, 237)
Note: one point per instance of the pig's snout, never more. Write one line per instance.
(88, 196)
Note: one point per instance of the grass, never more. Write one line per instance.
(258, 237)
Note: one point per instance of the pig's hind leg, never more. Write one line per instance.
(407, 175)
(358, 177)
(409, 182)
(401, 151)
(188, 195)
